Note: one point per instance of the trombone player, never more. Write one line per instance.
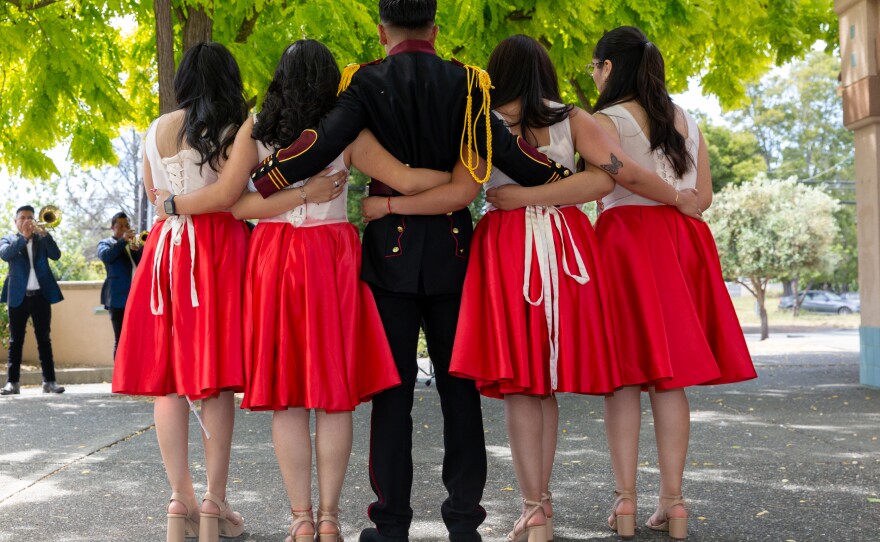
(120, 254)
(30, 290)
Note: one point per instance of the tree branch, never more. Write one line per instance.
(32, 6)
(519, 15)
(247, 27)
(582, 96)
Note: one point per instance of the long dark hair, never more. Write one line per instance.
(302, 91)
(521, 70)
(208, 87)
(638, 73)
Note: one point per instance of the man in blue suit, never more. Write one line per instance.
(30, 290)
(120, 258)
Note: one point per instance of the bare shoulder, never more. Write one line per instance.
(605, 122)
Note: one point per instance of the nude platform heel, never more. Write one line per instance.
(182, 526)
(213, 526)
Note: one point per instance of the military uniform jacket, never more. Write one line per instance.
(414, 102)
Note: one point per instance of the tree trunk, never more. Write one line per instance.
(165, 54)
(761, 297)
(198, 27)
(796, 302)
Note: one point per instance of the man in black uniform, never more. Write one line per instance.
(416, 104)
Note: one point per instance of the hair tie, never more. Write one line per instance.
(644, 43)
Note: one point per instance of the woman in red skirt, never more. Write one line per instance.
(532, 315)
(675, 323)
(313, 337)
(181, 340)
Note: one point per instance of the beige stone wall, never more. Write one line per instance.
(81, 329)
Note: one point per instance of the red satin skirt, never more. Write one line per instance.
(675, 322)
(502, 341)
(191, 351)
(317, 340)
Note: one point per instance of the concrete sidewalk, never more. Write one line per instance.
(793, 455)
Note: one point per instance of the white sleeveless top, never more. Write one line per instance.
(540, 245)
(334, 211)
(178, 174)
(637, 146)
(560, 149)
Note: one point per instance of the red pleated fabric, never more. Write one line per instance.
(317, 340)
(191, 351)
(675, 322)
(502, 341)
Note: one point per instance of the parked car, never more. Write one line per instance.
(822, 301)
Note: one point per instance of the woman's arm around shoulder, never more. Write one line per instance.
(233, 178)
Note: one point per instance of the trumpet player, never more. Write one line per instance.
(29, 290)
(120, 254)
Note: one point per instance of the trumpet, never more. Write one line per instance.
(49, 218)
(139, 240)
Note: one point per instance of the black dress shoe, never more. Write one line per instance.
(11, 388)
(465, 537)
(52, 387)
(372, 534)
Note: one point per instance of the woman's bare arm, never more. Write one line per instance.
(370, 157)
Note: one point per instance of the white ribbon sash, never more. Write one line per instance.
(540, 223)
(174, 225)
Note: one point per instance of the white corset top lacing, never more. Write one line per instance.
(540, 223)
(174, 167)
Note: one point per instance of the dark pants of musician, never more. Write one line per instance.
(116, 317)
(36, 307)
(391, 464)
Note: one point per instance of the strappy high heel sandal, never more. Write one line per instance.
(522, 531)
(325, 516)
(213, 526)
(548, 498)
(624, 524)
(677, 527)
(182, 526)
(300, 518)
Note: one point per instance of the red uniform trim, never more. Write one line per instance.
(413, 46)
(301, 145)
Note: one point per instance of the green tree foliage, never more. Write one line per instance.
(90, 70)
(770, 230)
(734, 156)
(797, 119)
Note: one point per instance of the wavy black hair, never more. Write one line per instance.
(409, 14)
(521, 70)
(302, 91)
(638, 73)
(208, 88)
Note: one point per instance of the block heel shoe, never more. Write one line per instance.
(522, 531)
(213, 526)
(624, 524)
(676, 527)
(182, 526)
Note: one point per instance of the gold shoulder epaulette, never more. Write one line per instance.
(480, 77)
(348, 73)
